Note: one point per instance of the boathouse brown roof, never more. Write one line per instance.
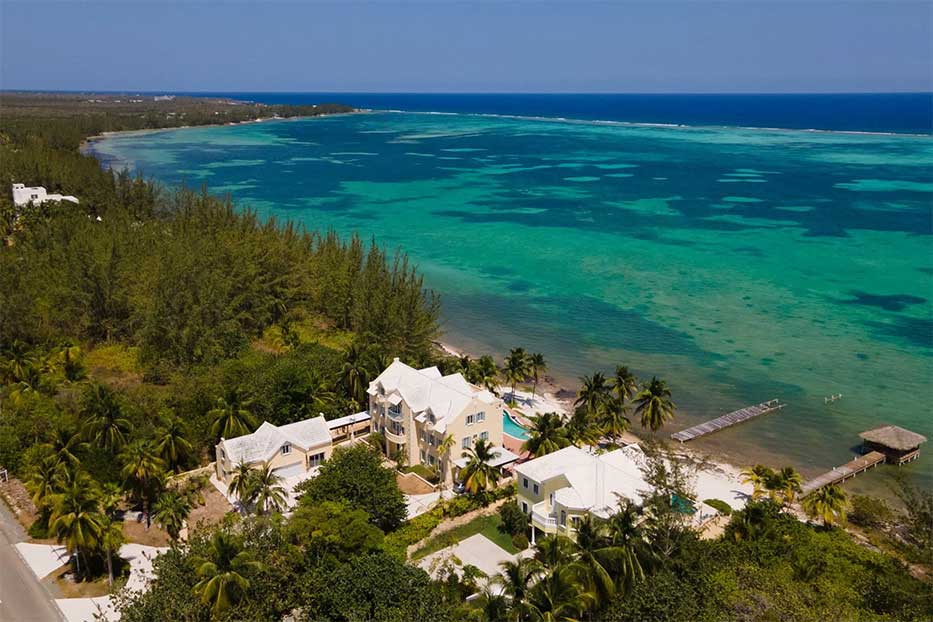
(894, 437)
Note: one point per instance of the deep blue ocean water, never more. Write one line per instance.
(872, 112)
(738, 264)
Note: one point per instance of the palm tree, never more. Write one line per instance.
(353, 374)
(594, 393)
(654, 405)
(69, 357)
(553, 551)
(111, 539)
(43, 481)
(65, 441)
(490, 605)
(143, 472)
(320, 394)
(18, 363)
(546, 435)
(171, 443)
(111, 495)
(624, 384)
(243, 484)
(581, 429)
(516, 579)
(625, 534)
(828, 503)
(515, 369)
(559, 596)
(270, 496)
(222, 581)
(760, 477)
(788, 483)
(486, 374)
(171, 511)
(479, 475)
(104, 420)
(443, 451)
(613, 422)
(76, 519)
(231, 419)
(538, 366)
(597, 556)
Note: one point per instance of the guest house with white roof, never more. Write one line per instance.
(417, 409)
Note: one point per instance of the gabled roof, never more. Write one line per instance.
(263, 444)
(427, 391)
(894, 437)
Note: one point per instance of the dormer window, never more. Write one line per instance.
(286, 449)
(432, 418)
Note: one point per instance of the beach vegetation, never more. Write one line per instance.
(546, 435)
(653, 404)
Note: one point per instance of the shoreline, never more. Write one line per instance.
(87, 143)
(556, 394)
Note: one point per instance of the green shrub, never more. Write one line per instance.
(719, 505)
(514, 521)
(870, 512)
(520, 541)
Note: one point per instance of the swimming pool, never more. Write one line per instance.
(513, 429)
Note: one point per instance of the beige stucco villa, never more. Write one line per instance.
(417, 409)
(291, 450)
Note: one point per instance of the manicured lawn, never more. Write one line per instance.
(486, 525)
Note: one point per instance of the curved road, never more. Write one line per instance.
(22, 597)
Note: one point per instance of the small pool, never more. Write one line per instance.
(513, 429)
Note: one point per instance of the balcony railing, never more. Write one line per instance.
(394, 415)
(398, 439)
(541, 517)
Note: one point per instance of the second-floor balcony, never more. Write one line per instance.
(396, 435)
(394, 413)
(542, 518)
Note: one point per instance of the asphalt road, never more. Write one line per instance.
(22, 597)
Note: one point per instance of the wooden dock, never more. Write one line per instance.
(840, 474)
(737, 416)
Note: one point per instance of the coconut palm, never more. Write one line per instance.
(537, 366)
(76, 519)
(479, 475)
(171, 511)
(64, 442)
(613, 422)
(222, 573)
(624, 384)
(243, 484)
(269, 494)
(18, 362)
(515, 369)
(486, 374)
(788, 482)
(111, 539)
(582, 429)
(443, 451)
(354, 375)
(171, 443)
(44, 480)
(654, 405)
(69, 359)
(597, 556)
(828, 503)
(546, 435)
(231, 417)
(553, 551)
(320, 393)
(559, 596)
(760, 477)
(516, 579)
(624, 533)
(490, 605)
(111, 496)
(104, 423)
(594, 393)
(143, 472)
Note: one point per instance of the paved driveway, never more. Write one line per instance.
(477, 550)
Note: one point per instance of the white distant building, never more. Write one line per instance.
(24, 195)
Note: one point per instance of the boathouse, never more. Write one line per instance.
(897, 444)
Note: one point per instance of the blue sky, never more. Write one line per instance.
(447, 46)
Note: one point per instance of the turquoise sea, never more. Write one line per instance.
(738, 264)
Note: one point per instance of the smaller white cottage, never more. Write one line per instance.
(24, 195)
